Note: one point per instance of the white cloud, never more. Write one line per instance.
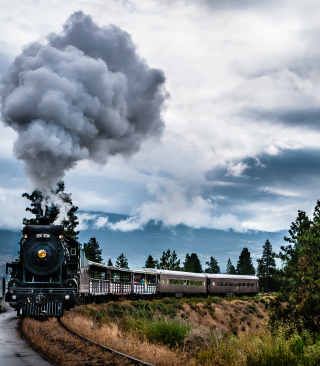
(217, 64)
(12, 210)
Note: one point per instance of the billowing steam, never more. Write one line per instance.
(85, 94)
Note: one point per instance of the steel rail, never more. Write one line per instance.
(23, 336)
(135, 361)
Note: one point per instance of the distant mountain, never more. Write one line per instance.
(156, 238)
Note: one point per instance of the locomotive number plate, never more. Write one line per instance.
(42, 235)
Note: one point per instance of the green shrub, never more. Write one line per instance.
(170, 333)
(160, 307)
(216, 300)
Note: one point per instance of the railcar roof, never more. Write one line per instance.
(232, 277)
(180, 273)
(113, 268)
(147, 271)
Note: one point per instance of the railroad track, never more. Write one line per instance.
(135, 361)
(118, 355)
(31, 345)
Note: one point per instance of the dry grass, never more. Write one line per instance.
(63, 348)
(221, 334)
(129, 343)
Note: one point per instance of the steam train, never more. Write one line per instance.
(53, 274)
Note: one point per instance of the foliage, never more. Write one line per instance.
(150, 262)
(266, 267)
(213, 266)
(122, 261)
(170, 332)
(43, 206)
(244, 265)
(109, 262)
(192, 263)
(230, 268)
(291, 253)
(169, 261)
(303, 303)
(92, 250)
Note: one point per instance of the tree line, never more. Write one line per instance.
(169, 260)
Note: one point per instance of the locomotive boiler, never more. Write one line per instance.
(44, 281)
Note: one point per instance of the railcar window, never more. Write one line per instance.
(73, 251)
(243, 284)
(184, 282)
(248, 284)
(252, 284)
(163, 282)
(239, 284)
(213, 283)
(221, 284)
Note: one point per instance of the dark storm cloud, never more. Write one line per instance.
(307, 117)
(292, 170)
(86, 94)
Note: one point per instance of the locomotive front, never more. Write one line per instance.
(45, 279)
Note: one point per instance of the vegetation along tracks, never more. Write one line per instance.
(133, 360)
(36, 349)
(61, 346)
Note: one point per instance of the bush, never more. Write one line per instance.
(160, 307)
(216, 300)
(170, 333)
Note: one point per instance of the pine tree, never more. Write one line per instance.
(244, 265)
(192, 263)
(122, 261)
(169, 261)
(42, 206)
(290, 254)
(92, 250)
(213, 266)
(150, 262)
(110, 262)
(230, 268)
(165, 260)
(174, 262)
(303, 303)
(266, 266)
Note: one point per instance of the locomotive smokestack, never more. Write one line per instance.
(85, 94)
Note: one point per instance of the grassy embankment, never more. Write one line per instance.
(193, 332)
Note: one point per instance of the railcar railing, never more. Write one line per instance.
(120, 287)
(99, 287)
(144, 288)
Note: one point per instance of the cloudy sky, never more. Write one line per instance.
(240, 147)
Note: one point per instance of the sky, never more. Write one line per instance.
(241, 114)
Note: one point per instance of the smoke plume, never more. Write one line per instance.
(85, 94)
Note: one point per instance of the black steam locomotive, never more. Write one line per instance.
(45, 279)
(53, 274)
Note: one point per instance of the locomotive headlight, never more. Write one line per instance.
(42, 253)
(67, 297)
(25, 236)
(14, 297)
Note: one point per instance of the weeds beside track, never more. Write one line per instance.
(23, 336)
(135, 361)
